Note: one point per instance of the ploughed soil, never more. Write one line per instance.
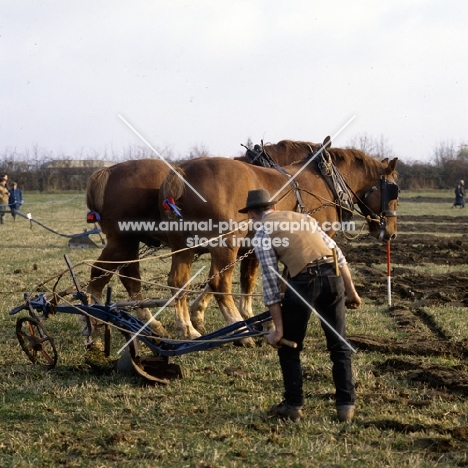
(437, 240)
(421, 241)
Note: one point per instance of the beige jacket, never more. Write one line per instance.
(4, 195)
(303, 245)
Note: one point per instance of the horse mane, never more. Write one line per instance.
(342, 157)
(287, 152)
(295, 146)
(352, 156)
(172, 185)
(96, 189)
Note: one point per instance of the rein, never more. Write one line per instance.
(294, 187)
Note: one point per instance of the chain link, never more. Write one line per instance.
(225, 268)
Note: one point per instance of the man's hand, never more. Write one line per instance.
(353, 301)
(274, 338)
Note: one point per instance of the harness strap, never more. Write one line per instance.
(385, 198)
(336, 183)
(259, 157)
(295, 187)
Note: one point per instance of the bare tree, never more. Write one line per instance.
(198, 151)
(463, 152)
(444, 152)
(376, 148)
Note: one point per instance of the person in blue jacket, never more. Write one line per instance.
(15, 199)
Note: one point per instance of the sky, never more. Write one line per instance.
(80, 77)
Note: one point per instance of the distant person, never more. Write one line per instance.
(460, 194)
(15, 199)
(4, 196)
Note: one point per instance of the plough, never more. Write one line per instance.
(39, 345)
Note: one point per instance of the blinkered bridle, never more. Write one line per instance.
(388, 192)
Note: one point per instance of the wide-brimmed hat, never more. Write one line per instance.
(258, 199)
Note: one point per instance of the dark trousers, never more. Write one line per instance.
(3, 208)
(325, 292)
(14, 207)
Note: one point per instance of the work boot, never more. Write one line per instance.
(284, 411)
(345, 413)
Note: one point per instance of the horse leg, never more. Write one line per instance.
(249, 270)
(131, 280)
(198, 307)
(178, 277)
(248, 278)
(101, 274)
(222, 283)
(119, 249)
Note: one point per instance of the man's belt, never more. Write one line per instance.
(318, 263)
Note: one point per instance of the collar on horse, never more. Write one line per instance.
(335, 181)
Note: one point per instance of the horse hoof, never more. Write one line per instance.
(187, 333)
(194, 335)
(199, 326)
(245, 343)
(158, 328)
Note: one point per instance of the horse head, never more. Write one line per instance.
(379, 203)
(371, 183)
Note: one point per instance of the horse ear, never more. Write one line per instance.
(385, 161)
(327, 142)
(391, 165)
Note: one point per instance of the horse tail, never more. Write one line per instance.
(96, 189)
(173, 186)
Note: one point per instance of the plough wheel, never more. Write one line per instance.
(36, 342)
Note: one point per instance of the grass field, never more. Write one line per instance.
(76, 416)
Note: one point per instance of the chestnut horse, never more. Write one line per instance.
(125, 192)
(224, 184)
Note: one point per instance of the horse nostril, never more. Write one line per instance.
(393, 237)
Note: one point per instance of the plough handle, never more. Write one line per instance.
(290, 344)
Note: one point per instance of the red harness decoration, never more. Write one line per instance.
(93, 217)
(169, 205)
